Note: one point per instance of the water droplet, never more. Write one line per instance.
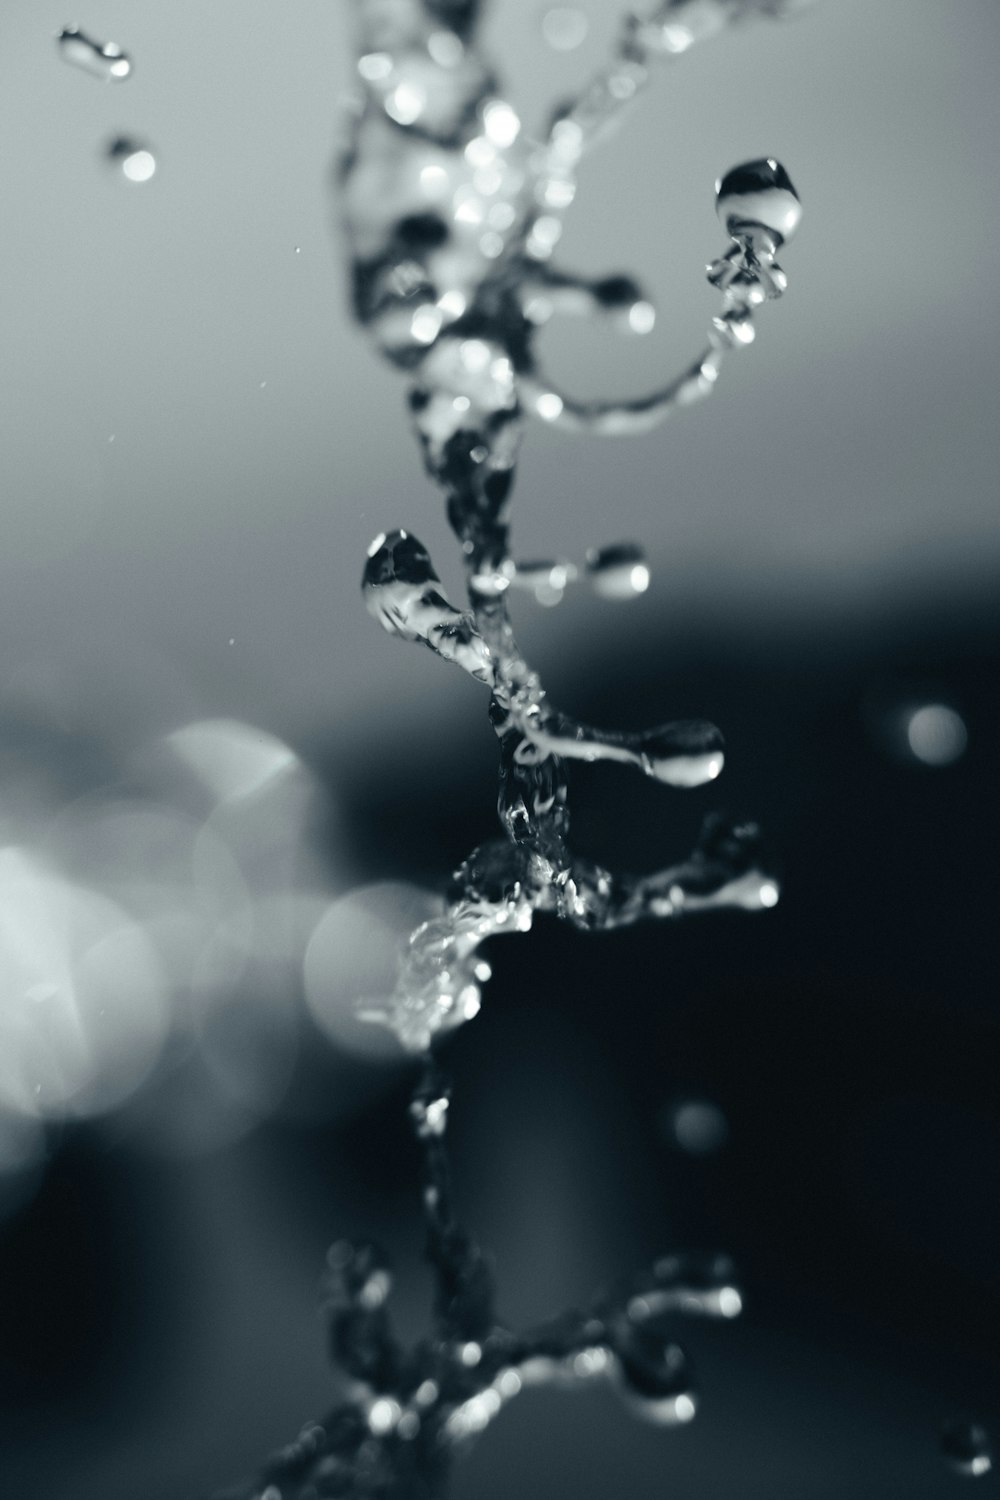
(135, 162)
(564, 27)
(967, 1448)
(402, 591)
(936, 734)
(697, 1126)
(653, 1375)
(618, 571)
(758, 195)
(103, 59)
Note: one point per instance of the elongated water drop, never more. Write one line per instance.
(618, 571)
(967, 1448)
(103, 59)
(758, 195)
(687, 753)
(403, 592)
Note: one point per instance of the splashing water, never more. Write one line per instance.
(103, 59)
(452, 215)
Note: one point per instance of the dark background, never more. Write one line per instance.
(825, 556)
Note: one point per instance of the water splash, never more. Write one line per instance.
(453, 213)
(102, 59)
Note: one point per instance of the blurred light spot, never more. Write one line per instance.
(433, 180)
(697, 1126)
(425, 325)
(501, 123)
(353, 961)
(684, 1408)
(232, 759)
(406, 103)
(445, 48)
(374, 66)
(769, 894)
(936, 734)
(83, 1015)
(549, 406)
(641, 317)
(564, 27)
(383, 1414)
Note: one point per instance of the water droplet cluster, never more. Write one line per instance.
(452, 215)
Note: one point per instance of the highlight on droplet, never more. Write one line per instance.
(936, 734)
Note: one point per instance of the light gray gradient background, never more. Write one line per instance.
(197, 444)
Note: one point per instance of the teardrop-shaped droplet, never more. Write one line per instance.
(103, 59)
(403, 592)
(618, 571)
(758, 194)
(967, 1448)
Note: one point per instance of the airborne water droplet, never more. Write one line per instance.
(103, 59)
(618, 571)
(758, 195)
(654, 1376)
(136, 162)
(967, 1448)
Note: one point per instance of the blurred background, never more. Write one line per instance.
(209, 753)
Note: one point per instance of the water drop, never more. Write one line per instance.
(103, 59)
(758, 195)
(967, 1448)
(698, 1126)
(653, 1375)
(618, 571)
(136, 162)
(936, 734)
(402, 591)
(564, 27)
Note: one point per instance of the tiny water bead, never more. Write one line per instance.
(135, 161)
(102, 59)
(967, 1447)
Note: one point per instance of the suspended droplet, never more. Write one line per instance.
(103, 59)
(564, 27)
(936, 734)
(653, 1375)
(618, 571)
(697, 1126)
(547, 580)
(135, 162)
(758, 195)
(682, 754)
(967, 1448)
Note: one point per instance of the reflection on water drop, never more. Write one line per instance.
(136, 162)
(103, 59)
(936, 734)
(564, 27)
(697, 1126)
(967, 1448)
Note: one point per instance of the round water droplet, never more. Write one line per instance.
(697, 1126)
(564, 27)
(967, 1448)
(758, 195)
(936, 734)
(135, 162)
(618, 571)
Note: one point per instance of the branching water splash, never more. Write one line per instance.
(452, 217)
